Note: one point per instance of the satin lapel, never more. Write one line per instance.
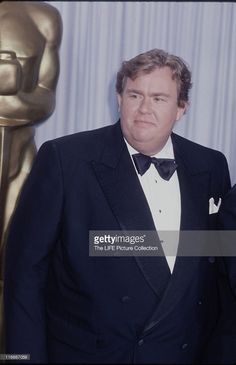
(194, 201)
(194, 187)
(120, 184)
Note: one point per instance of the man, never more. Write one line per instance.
(63, 305)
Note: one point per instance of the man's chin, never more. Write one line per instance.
(143, 144)
(144, 135)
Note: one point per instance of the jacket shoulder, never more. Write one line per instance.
(85, 145)
(193, 151)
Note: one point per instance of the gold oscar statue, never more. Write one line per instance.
(30, 36)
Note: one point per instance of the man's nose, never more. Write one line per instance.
(145, 106)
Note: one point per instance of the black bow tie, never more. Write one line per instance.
(165, 166)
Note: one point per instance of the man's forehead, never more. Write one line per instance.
(157, 79)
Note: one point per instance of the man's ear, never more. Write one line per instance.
(119, 100)
(181, 110)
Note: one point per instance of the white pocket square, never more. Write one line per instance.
(213, 208)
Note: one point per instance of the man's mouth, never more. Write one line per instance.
(143, 122)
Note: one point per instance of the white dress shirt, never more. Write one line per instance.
(163, 198)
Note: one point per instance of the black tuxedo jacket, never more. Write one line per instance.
(61, 305)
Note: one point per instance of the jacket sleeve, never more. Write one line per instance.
(227, 219)
(32, 235)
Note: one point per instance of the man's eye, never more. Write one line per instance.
(133, 96)
(159, 99)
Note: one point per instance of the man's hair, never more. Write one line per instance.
(147, 62)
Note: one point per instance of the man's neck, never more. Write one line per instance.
(165, 152)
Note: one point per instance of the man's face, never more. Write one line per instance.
(149, 110)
